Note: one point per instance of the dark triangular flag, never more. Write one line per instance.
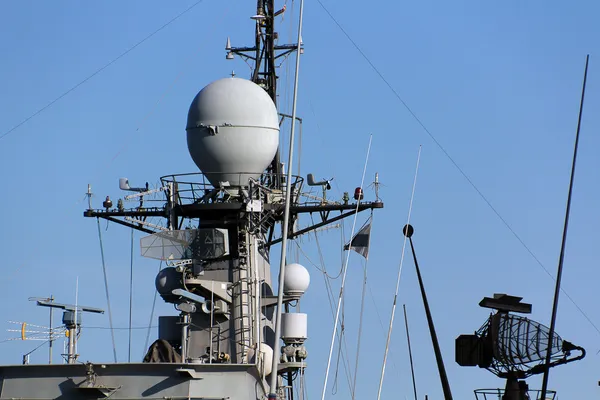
(360, 241)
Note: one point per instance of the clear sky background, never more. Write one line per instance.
(496, 83)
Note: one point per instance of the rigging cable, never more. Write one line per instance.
(151, 314)
(23, 122)
(341, 335)
(330, 298)
(345, 269)
(460, 170)
(110, 320)
(130, 297)
(362, 308)
(389, 336)
(129, 139)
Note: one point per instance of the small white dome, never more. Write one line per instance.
(297, 279)
(265, 359)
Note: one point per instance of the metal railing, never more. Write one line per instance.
(497, 394)
(196, 188)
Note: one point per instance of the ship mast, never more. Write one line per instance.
(264, 53)
(218, 267)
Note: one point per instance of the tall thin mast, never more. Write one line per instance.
(264, 68)
(564, 239)
(286, 219)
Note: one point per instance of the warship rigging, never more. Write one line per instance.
(244, 208)
(219, 227)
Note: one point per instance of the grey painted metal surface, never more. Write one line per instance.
(131, 381)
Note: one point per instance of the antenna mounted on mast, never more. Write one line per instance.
(264, 53)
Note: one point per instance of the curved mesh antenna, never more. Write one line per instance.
(517, 344)
(521, 340)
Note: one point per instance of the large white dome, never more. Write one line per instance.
(232, 131)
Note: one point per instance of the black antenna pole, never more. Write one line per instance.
(564, 239)
(412, 369)
(408, 231)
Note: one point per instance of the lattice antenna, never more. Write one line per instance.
(513, 347)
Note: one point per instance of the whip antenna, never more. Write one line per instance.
(564, 237)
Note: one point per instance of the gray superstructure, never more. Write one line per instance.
(219, 226)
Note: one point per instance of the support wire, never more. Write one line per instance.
(362, 309)
(151, 314)
(110, 320)
(130, 297)
(344, 271)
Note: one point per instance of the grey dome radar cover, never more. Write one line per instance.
(232, 131)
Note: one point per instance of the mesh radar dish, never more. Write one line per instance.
(232, 131)
(512, 346)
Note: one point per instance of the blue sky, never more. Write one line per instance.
(496, 83)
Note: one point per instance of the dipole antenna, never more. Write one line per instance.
(564, 239)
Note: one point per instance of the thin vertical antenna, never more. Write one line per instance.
(50, 330)
(344, 273)
(412, 369)
(389, 335)
(130, 297)
(564, 239)
(286, 218)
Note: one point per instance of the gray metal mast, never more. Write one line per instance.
(220, 278)
(286, 215)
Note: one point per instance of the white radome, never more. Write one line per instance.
(297, 279)
(265, 359)
(294, 326)
(232, 131)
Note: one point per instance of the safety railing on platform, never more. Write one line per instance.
(498, 394)
(196, 188)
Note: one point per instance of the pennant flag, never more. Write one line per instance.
(360, 242)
